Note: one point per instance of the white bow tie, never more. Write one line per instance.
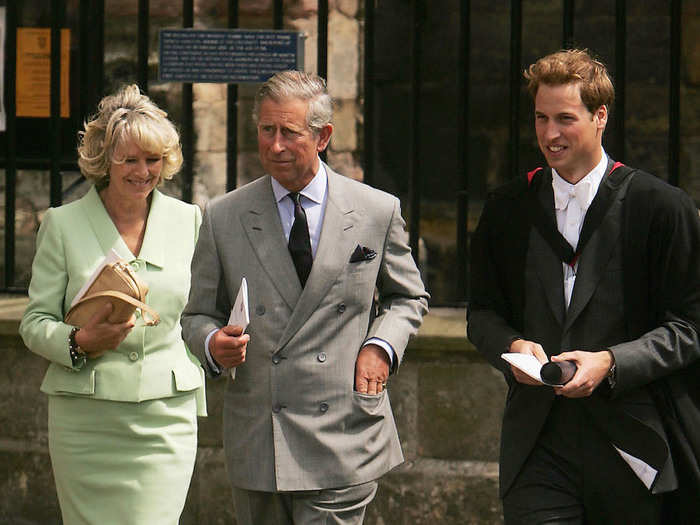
(564, 192)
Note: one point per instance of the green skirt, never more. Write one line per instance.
(117, 462)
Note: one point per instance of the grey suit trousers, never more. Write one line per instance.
(343, 506)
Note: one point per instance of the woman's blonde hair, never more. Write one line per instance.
(127, 115)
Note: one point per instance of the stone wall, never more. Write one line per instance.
(446, 399)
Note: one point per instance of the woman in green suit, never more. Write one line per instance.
(123, 398)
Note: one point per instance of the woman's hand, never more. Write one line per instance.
(99, 335)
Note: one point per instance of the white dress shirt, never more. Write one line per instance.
(571, 201)
(313, 199)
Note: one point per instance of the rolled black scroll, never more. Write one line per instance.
(557, 373)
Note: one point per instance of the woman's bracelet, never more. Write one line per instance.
(77, 356)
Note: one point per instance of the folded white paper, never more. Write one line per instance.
(240, 315)
(110, 258)
(528, 363)
(645, 472)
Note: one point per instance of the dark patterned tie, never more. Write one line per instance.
(299, 241)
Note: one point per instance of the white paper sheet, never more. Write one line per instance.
(240, 315)
(526, 362)
(645, 472)
(110, 258)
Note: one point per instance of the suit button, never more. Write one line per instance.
(134, 356)
(321, 357)
(260, 309)
(276, 408)
(276, 359)
(323, 407)
(341, 308)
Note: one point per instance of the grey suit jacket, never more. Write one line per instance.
(292, 420)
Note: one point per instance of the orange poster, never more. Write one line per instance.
(34, 72)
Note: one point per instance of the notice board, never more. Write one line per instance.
(228, 55)
(33, 89)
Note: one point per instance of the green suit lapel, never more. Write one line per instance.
(153, 247)
(105, 231)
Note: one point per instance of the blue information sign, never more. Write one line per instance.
(228, 55)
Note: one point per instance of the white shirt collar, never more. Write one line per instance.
(584, 190)
(314, 190)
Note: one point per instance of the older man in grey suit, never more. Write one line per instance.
(308, 427)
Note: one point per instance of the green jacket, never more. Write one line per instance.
(152, 362)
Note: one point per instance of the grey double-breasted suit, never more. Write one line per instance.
(292, 420)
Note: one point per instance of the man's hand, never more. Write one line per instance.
(521, 346)
(593, 367)
(98, 335)
(227, 346)
(371, 369)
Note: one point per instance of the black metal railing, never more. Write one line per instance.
(91, 36)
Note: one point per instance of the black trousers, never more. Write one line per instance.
(575, 476)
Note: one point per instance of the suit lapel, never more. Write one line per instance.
(602, 228)
(332, 256)
(545, 263)
(261, 222)
(105, 230)
(154, 245)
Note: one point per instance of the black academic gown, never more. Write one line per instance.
(637, 292)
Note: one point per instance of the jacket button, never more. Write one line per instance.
(260, 309)
(276, 359)
(323, 407)
(341, 308)
(134, 356)
(321, 357)
(276, 408)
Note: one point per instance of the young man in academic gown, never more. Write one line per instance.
(591, 261)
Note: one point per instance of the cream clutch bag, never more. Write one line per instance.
(118, 284)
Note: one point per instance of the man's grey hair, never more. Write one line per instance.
(287, 85)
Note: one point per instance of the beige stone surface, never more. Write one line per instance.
(345, 125)
(347, 7)
(209, 93)
(210, 170)
(343, 56)
(210, 125)
(344, 162)
(309, 28)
